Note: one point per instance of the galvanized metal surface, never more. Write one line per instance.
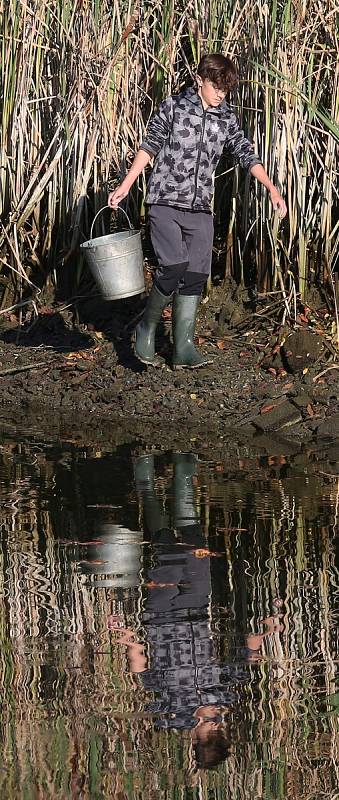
(116, 263)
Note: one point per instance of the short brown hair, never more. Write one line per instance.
(212, 751)
(218, 69)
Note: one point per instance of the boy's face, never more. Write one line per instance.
(209, 93)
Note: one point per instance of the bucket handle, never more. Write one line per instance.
(112, 209)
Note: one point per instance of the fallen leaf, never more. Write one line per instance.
(154, 585)
(202, 553)
(266, 409)
(272, 371)
(244, 354)
(193, 396)
(94, 561)
(310, 410)
(201, 340)
(221, 344)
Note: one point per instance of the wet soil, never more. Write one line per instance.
(266, 379)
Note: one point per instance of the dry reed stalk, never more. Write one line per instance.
(79, 84)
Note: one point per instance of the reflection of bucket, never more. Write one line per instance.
(119, 556)
(116, 262)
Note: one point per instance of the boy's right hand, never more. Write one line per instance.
(114, 198)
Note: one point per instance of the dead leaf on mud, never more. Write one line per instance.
(79, 354)
(310, 410)
(266, 409)
(202, 553)
(221, 344)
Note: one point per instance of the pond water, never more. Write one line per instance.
(169, 623)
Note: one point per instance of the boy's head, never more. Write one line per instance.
(209, 738)
(216, 77)
(211, 748)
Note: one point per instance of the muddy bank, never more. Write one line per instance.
(266, 378)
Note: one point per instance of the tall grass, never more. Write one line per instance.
(79, 82)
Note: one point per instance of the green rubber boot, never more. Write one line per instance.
(183, 319)
(185, 505)
(144, 347)
(155, 517)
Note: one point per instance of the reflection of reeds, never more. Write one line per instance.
(79, 82)
(73, 721)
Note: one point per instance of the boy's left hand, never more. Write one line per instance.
(278, 203)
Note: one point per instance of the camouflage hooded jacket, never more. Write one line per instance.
(187, 143)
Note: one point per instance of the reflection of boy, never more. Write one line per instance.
(192, 687)
(186, 139)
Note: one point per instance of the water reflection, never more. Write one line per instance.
(169, 625)
(194, 687)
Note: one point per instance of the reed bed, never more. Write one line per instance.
(79, 81)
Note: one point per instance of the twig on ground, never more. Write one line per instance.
(320, 374)
(13, 370)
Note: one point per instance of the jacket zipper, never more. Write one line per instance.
(198, 158)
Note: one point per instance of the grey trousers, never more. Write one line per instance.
(182, 242)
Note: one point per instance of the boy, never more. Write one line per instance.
(186, 138)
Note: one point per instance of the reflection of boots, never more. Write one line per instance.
(185, 510)
(145, 332)
(155, 517)
(184, 315)
(144, 473)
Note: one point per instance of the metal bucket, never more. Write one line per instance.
(116, 559)
(116, 262)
